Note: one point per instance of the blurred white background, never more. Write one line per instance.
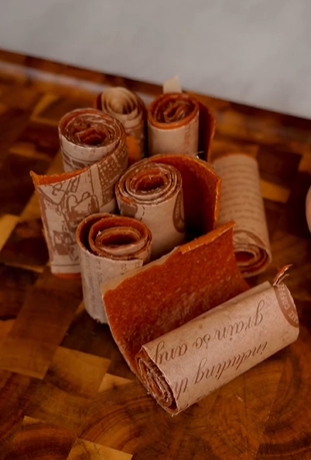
(251, 51)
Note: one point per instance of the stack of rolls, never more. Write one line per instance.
(129, 109)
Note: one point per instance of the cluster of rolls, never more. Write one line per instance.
(108, 180)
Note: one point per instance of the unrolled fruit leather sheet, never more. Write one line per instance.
(195, 277)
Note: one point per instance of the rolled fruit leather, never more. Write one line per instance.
(241, 201)
(109, 246)
(93, 147)
(201, 191)
(130, 110)
(152, 193)
(179, 123)
(165, 294)
(186, 364)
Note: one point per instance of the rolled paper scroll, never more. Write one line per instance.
(95, 142)
(109, 247)
(180, 123)
(152, 193)
(241, 201)
(186, 364)
(88, 135)
(128, 108)
(166, 293)
(173, 124)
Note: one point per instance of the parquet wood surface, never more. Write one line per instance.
(65, 390)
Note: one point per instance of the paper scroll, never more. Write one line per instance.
(186, 364)
(109, 246)
(95, 142)
(128, 108)
(241, 201)
(173, 124)
(153, 194)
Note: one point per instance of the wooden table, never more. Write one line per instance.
(65, 390)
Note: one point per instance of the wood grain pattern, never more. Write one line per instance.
(41, 440)
(65, 390)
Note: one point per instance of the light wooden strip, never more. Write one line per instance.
(27, 150)
(112, 381)
(7, 224)
(274, 192)
(90, 451)
(42, 322)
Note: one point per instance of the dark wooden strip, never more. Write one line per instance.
(26, 245)
(37, 138)
(12, 122)
(274, 211)
(16, 186)
(23, 98)
(294, 218)
(15, 393)
(15, 285)
(88, 336)
(278, 166)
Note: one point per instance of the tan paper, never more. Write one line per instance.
(109, 247)
(172, 85)
(173, 124)
(241, 201)
(152, 193)
(93, 141)
(186, 364)
(128, 108)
